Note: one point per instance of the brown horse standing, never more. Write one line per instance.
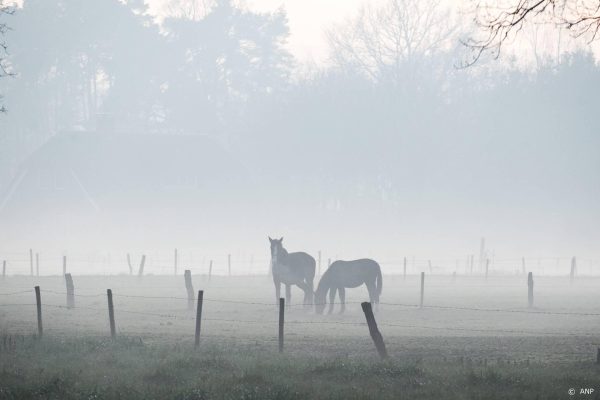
(292, 269)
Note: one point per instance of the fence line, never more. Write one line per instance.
(345, 323)
(407, 305)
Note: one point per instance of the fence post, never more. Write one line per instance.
(472, 262)
(198, 318)
(229, 263)
(31, 262)
(38, 303)
(111, 314)
(404, 269)
(175, 263)
(129, 264)
(190, 289)
(3, 269)
(375, 334)
(142, 263)
(530, 289)
(422, 288)
(37, 264)
(573, 268)
(209, 270)
(70, 291)
(64, 265)
(281, 317)
(487, 267)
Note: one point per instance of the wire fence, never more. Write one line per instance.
(184, 314)
(245, 263)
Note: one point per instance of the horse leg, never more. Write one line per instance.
(331, 299)
(288, 295)
(277, 290)
(342, 291)
(372, 289)
(306, 289)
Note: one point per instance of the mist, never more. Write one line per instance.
(193, 133)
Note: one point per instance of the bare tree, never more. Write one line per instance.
(188, 9)
(382, 41)
(4, 66)
(501, 20)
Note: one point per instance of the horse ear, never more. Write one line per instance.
(270, 240)
(281, 240)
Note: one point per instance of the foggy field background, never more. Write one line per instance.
(200, 125)
(190, 132)
(473, 339)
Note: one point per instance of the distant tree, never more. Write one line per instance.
(226, 60)
(77, 63)
(499, 21)
(385, 42)
(4, 66)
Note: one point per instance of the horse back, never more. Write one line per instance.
(301, 260)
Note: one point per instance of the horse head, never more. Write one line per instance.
(277, 249)
(319, 301)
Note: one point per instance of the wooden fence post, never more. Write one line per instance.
(281, 317)
(31, 262)
(373, 330)
(190, 289)
(573, 268)
(142, 263)
(530, 289)
(404, 269)
(70, 291)
(472, 262)
(38, 303)
(487, 267)
(198, 318)
(175, 263)
(229, 263)
(37, 264)
(111, 314)
(3, 269)
(64, 265)
(209, 270)
(129, 264)
(422, 288)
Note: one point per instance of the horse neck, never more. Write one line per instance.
(282, 255)
(324, 285)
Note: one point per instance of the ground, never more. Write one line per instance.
(473, 339)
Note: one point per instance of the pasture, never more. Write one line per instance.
(471, 339)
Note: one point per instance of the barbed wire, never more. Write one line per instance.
(15, 293)
(407, 305)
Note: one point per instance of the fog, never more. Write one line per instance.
(137, 129)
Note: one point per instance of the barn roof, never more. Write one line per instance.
(99, 171)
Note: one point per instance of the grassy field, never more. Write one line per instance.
(475, 340)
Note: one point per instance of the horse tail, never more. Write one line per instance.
(379, 282)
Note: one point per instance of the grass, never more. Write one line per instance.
(98, 368)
